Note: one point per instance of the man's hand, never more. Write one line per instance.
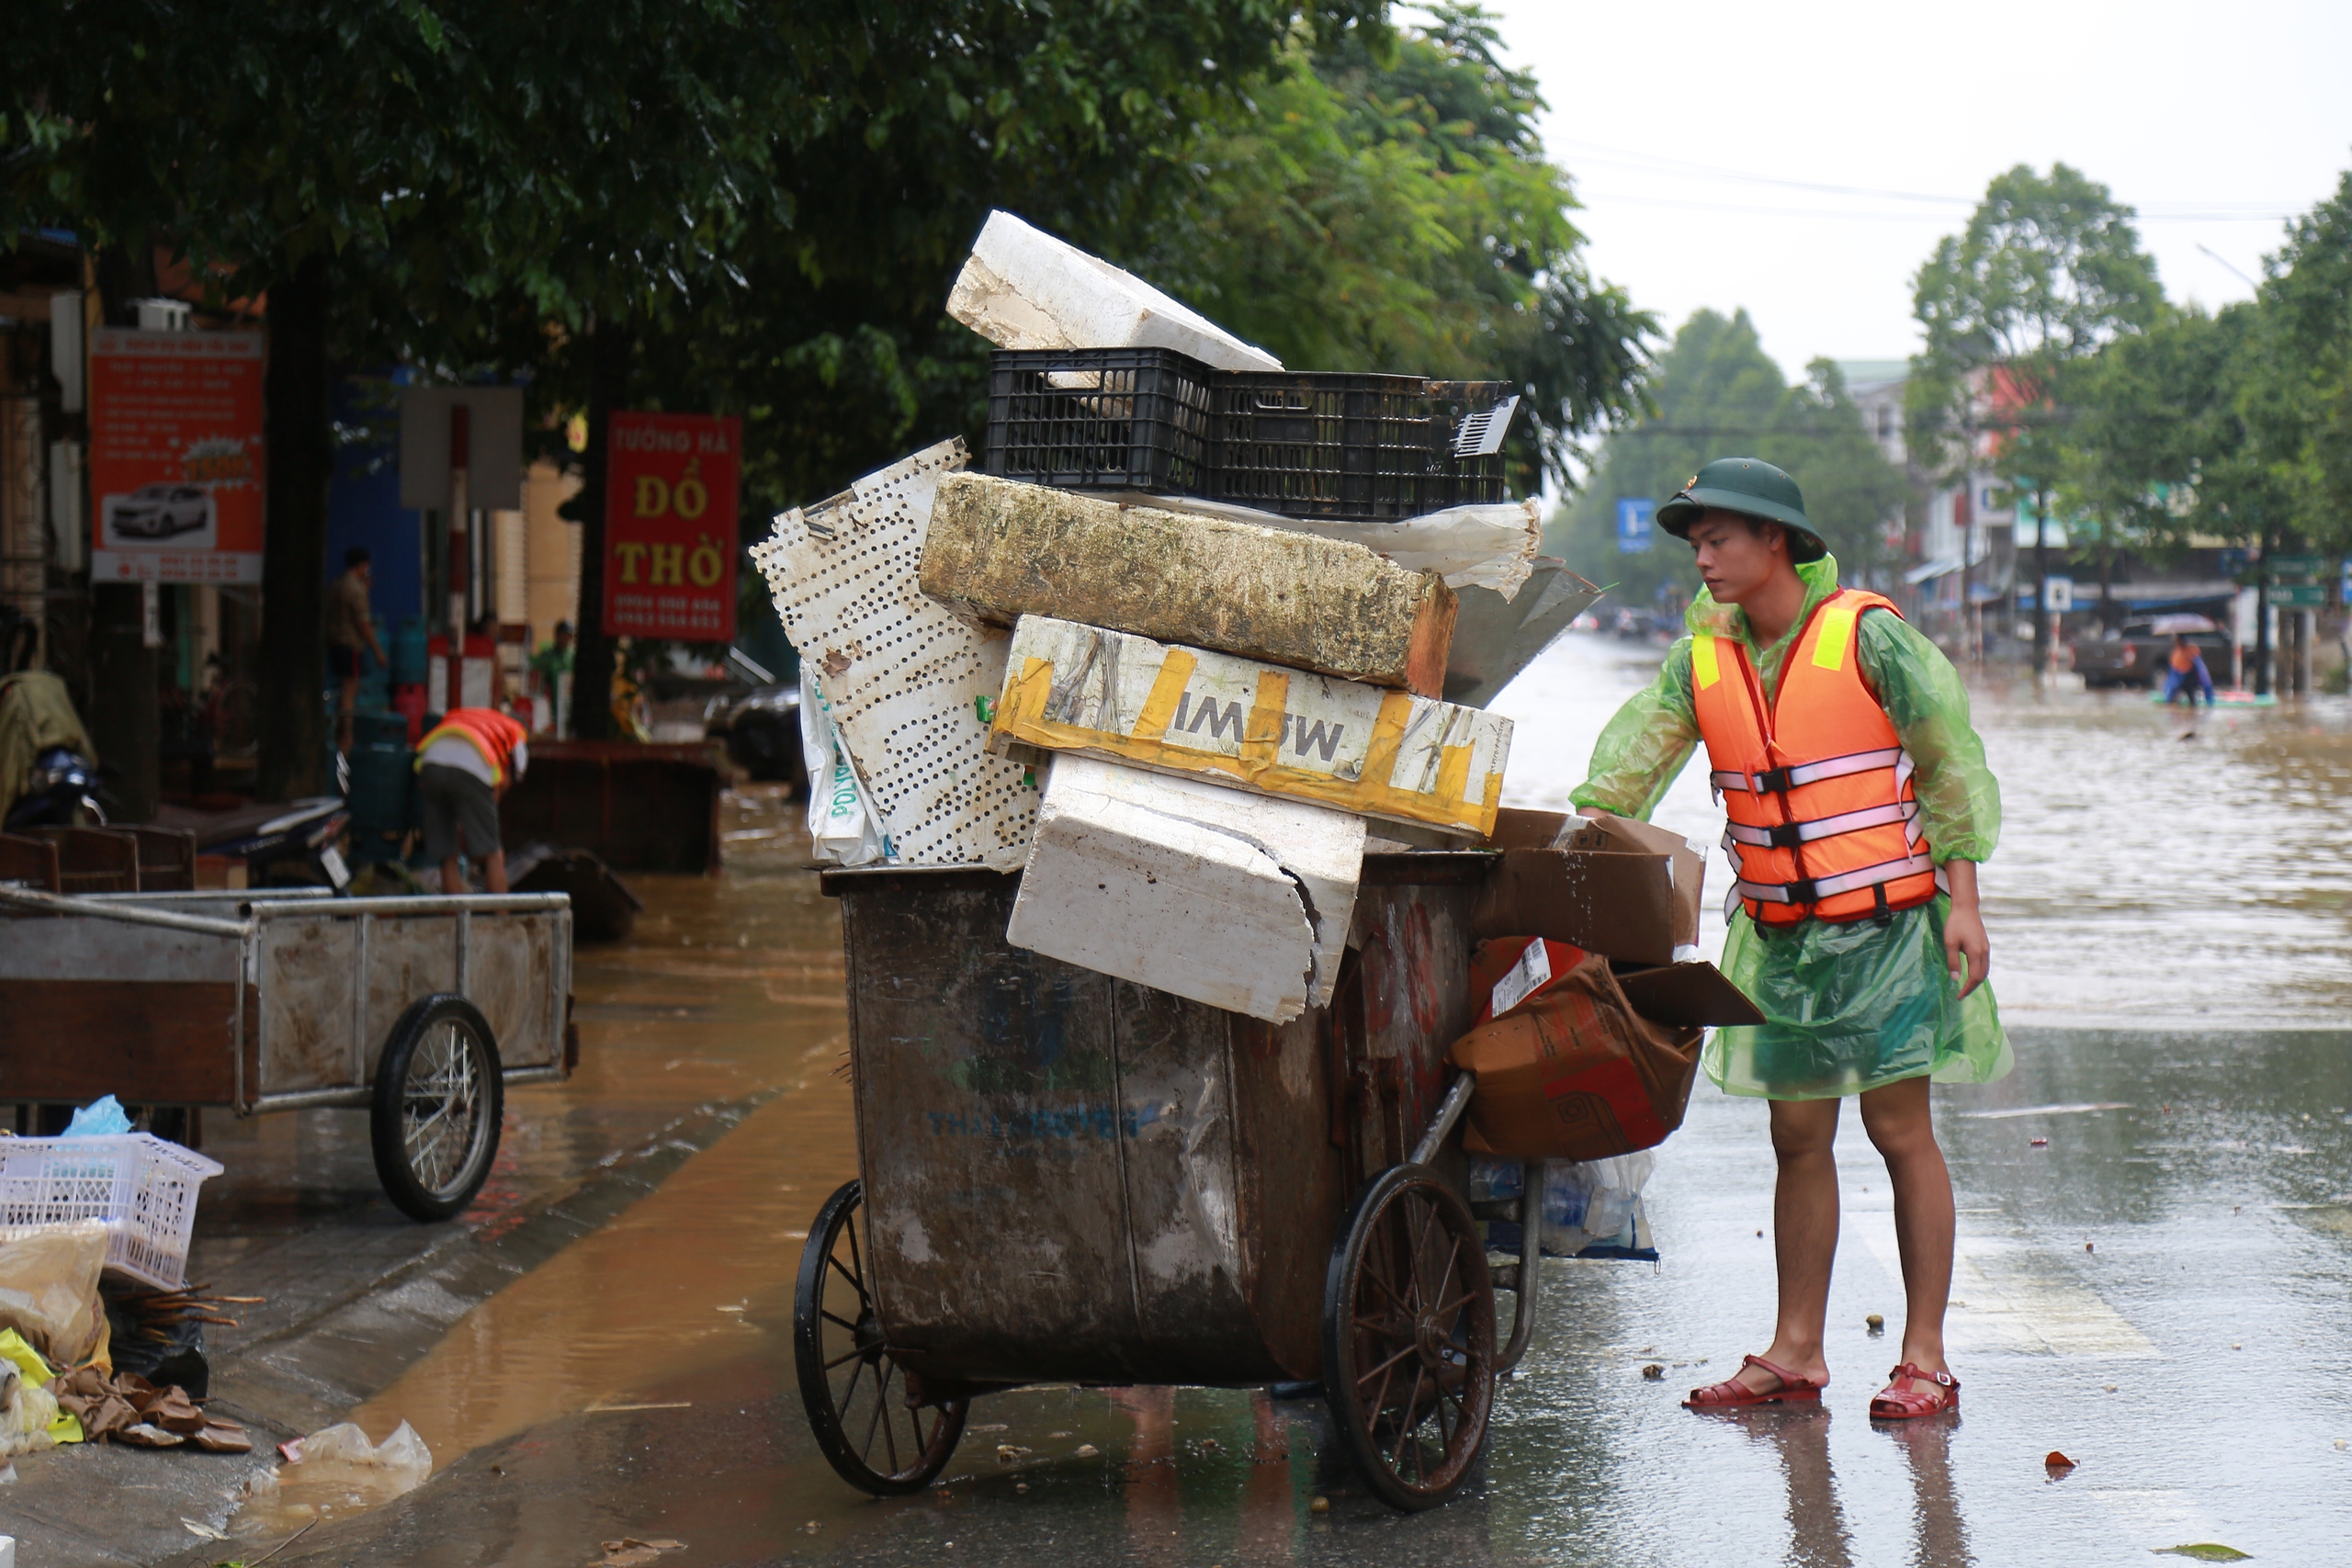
(1967, 952)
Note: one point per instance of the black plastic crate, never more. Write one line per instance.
(1112, 419)
(1348, 446)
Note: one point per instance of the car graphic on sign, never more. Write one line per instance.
(159, 512)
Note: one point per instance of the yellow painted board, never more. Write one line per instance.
(1282, 732)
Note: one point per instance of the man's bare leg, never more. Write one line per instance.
(1805, 1237)
(452, 876)
(343, 713)
(493, 871)
(1897, 1121)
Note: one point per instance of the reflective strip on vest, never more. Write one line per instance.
(1906, 811)
(1786, 779)
(1812, 892)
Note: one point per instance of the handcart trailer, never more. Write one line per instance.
(419, 1009)
(1068, 1178)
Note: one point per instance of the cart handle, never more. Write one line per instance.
(131, 914)
(1449, 1112)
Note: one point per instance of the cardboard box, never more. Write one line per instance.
(1608, 884)
(1354, 747)
(1576, 1068)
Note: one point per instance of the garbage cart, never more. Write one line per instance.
(1069, 1178)
(419, 1010)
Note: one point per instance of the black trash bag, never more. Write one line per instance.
(177, 1358)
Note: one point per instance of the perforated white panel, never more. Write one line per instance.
(901, 674)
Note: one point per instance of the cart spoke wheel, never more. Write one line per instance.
(438, 1098)
(1409, 1352)
(855, 1389)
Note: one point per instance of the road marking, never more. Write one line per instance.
(2015, 1300)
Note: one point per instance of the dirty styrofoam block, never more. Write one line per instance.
(1022, 287)
(904, 679)
(1486, 544)
(1072, 688)
(1236, 900)
(1003, 549)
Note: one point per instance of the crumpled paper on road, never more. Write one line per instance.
(129, 1409)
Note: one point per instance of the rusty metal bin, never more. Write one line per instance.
(1068, 1178)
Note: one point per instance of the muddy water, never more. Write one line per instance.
(667, 1334)
(2151, 872)
(729, 988)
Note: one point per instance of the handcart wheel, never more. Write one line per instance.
(854, 1389)
(1408, 1337)
(439, 1096)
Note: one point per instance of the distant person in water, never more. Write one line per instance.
(2187, 672)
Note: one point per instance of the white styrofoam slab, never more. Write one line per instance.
(1236, 900)
(1022, 287)
(901, 675)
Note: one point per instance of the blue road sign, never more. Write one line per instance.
(1634, 530)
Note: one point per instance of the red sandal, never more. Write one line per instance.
(1731, 1394)
(1898, 1401)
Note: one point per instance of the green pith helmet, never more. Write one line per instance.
(1752, 487)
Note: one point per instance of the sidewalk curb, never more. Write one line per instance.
(313, 1371)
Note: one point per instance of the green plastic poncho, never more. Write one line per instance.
(1855, 1005)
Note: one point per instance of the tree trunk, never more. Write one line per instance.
(2041, 585)
(121, 707)
(2262, 620)
(124, 720)
(299, 445)
(609, 346)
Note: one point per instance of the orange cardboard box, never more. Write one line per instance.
(1607, 884)
(1578, 1062)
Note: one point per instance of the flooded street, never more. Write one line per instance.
(2163, 1291)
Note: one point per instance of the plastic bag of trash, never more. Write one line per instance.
(49, 1288)
(1591, 1208)
(841, 828)
(400, 1463)
(102, 1115)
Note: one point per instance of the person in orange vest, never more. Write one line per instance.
(2187, 672)
(463, 765)
(1858, 805)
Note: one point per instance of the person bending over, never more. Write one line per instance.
(463, 765)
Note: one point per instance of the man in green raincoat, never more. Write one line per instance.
(1873, 1005)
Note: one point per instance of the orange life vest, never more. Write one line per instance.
(1825, 823)
(493, 734)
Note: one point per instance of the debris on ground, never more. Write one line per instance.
(1654, 1371)
(2058, 1464)
(630, 1553)
(2205, 1551)
(127, 1408)
(1874, 1324)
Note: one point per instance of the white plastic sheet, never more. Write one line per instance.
(840, 830)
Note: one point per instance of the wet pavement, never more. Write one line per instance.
(2163, 1291)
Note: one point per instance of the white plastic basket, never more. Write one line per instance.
(143, 1188)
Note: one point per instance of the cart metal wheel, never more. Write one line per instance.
(856, 1392)
(1408, 1337)
(434, 1119)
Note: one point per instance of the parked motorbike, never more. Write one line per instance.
(296, 848)
(62, 791)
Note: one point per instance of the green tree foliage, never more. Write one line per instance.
(2048, 271)
(2301, 406)
(1391, 208)
(1716, 393)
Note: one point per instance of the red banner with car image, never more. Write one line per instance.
(175, 456)
(670, 482)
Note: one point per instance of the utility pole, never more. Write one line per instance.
(609, 346)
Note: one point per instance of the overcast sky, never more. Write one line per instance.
(1702, 135)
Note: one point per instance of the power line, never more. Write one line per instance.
(2195, 211)
(1591, 198)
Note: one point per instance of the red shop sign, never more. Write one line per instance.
(670, 541)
